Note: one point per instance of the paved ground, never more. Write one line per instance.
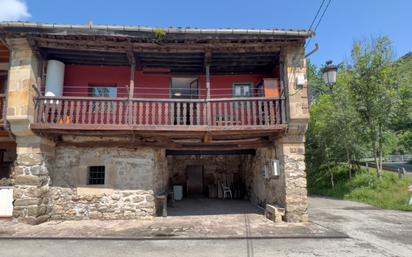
(191, 218)
(389, 232)
(372, 232)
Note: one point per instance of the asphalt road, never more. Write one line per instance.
(372, 232)
(396, 165)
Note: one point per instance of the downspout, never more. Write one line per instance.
(313, 51)
(306, 56)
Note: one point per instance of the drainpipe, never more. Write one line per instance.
(313, 51)
(306, 56)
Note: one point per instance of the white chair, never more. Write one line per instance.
(226, 190)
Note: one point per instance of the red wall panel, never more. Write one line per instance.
(78, 79)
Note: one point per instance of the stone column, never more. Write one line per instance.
(291, 153)
(31, 173)
(291, 147)
(33, 152)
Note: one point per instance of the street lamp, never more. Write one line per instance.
(329, 73)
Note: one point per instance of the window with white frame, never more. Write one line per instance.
(242, 89)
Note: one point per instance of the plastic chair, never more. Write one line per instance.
(226, 190)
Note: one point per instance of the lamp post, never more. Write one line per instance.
(329, 74)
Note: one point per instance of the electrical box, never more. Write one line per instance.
(275, 168)
(265, 172)
(300, 81)
(271, 170)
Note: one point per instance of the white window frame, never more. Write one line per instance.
(242, 86)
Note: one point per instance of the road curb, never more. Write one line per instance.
(334, 236)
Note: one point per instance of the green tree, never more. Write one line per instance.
(373, 84)
(333, 136)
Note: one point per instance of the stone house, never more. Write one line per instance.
(99, 121)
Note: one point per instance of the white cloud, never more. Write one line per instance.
(13, 10)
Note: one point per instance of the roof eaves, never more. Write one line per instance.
(279, 32)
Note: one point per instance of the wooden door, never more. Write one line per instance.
(194, 180)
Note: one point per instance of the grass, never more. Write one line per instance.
(389, 192)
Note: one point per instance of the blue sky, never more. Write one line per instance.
(345, 22)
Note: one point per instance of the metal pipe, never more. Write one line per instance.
(313, 51)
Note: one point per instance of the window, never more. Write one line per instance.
(104, 91)
(96, 175)
(242, 89)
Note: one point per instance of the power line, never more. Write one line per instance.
(323, 14)
(320, 19)
(316, 16)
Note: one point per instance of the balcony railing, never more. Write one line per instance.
(158, 114)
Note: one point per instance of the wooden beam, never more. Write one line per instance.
(110, 46)
(207, 138)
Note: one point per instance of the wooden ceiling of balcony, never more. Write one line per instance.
(220, 63)
(179, 55)
(176, 140)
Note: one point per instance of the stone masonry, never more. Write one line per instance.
(34, 154)
(132, 181)
(291, 147)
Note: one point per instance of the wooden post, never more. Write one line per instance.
(284, 86)
(132, 62)
(132, 76)
(208, 94)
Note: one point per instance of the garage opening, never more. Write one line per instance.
(216, 182)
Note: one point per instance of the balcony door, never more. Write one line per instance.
(184, 88)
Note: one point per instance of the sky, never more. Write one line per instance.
(345, 22)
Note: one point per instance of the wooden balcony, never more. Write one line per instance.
(185, 120)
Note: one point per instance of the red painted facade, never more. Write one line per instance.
(80, 78)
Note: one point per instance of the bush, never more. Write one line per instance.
(389, 192)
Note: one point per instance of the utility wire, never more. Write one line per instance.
(316, 16)
(323, 14)
(320, 19)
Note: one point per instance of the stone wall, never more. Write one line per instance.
(132, 179)
(70, 203)
(263, 190)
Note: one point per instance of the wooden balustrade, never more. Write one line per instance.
(91, 112)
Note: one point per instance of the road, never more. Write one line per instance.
(372, 232)
(396, 165)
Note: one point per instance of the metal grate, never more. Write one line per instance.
(96, 175)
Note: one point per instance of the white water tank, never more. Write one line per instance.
(54, 78)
